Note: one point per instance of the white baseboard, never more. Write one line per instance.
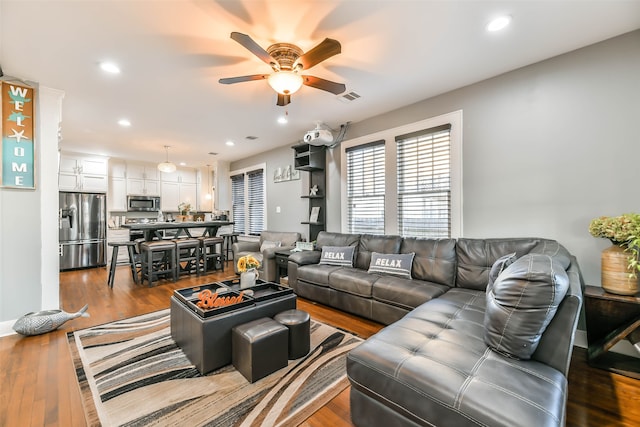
(5, 328)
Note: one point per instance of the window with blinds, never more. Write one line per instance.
(424, 183)
(238, 203)
(255, 184)
(365, 188)
(247, 194)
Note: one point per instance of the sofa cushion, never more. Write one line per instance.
(434, 261)
(394, 264)
(522, 302)
(317, 274)
(327, 238)
(337, 255)
(352, 281)
(370, 243)
(405, 293)
(498, 267)
(476, 257)
(434, 367)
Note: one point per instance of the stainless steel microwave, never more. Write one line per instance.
(143, 203)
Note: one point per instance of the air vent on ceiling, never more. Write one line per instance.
(349, 96)
(212, 153)
(250, 137)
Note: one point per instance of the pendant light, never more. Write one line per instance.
(208, 195)
(167, 166)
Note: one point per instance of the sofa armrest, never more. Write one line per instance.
(556, 344)
(245, 246)
(305, 257)
(298, 259)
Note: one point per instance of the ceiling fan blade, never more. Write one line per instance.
(326, 49)
(322, 84)
(253, 47)
(240, 79)
(283, 100)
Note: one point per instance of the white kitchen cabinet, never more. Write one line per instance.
(181, 175)
(170, 196)
(82, 173)
(142, 179)
(117, 194)
(142, 171)
(174, 193)
(143, 187)
(117, 169)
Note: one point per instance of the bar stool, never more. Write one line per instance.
(229, 240)
(114, 260)
(158, 259)
(209, 251)
(188, 250)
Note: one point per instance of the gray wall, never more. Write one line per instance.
(546, 148)
(285, 195)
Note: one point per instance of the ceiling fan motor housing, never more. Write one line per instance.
(285, 54)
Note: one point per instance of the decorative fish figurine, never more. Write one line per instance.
(45, 321)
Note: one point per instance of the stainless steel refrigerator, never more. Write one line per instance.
(83, 230)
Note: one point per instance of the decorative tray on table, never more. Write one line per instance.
(212, 299)
(261, 291)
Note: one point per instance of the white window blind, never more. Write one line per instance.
(238, 203)
(256, 201)
(365, 188)
(424, 183)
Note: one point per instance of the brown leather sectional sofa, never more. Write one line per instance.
(453, 353)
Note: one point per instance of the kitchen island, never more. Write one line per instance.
(153, 229)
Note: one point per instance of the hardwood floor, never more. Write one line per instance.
(38, 386)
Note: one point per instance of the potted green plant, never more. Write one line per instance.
(620, 264)
(185, 212)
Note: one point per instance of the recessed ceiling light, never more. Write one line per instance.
(110, 67)
(499, 23)
(230, 143)
(183, 164)
(282, 120)
(124, 122)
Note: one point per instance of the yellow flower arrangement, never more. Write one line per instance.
(247, 262)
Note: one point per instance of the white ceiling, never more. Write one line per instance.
(172, 54)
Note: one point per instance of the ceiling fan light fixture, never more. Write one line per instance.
(167, 166)
(285, 82)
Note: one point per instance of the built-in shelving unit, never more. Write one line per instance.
(311, 158)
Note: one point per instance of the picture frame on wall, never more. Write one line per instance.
(315, 214)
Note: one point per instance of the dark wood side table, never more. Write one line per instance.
(282, 263)
(610, 319)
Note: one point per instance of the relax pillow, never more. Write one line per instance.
(522, 302)
(267, 244)
(337, 255)
(395, 264)
(498, 267)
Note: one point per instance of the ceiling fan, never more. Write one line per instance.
(288, 61)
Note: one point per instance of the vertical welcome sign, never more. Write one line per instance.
(17, 128)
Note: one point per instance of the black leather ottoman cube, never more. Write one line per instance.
(259, 348)
(299, 324)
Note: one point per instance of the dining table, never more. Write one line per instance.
(154, 229)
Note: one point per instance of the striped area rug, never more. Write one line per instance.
(131, 373)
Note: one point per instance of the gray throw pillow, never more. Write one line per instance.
(498, 267)
(394, 264)
(522, 303)
(337, 255)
